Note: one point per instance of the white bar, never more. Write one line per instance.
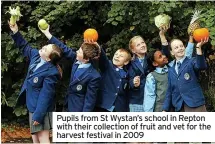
(133, 127)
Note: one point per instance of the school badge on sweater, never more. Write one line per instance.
(79, 87)
(35, 80)
(186, 76)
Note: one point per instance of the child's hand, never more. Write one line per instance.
(46, 31)
(163, 29)
(92, 42)
(136, 81)
(35, 123)
(14, 28)
(202, 42)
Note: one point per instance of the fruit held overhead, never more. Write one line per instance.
(200, 33)
(91, 34)
(42, 24)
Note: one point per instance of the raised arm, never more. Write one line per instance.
(67, 52)
(189, 48)
(200, 62)
(103, 61)
(21, 43)
(165, 46)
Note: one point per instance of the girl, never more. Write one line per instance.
(39, 85)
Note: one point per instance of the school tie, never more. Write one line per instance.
(33, 66)
(141, 61)
(178, 66)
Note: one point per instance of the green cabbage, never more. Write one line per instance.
(162, 20)
(15, 14)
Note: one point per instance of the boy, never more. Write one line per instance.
(113, 87)
(84, 81)
(184, 91)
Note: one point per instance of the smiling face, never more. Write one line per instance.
(45, 52)
(177, 49)
(121, 58)
(138, 46)
(160, 60)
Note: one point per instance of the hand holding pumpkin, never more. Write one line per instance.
(202, 42)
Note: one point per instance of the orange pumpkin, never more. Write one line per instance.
(200, 33)
(91, 34)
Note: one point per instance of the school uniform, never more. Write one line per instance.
(156, 85)
(38, 90)
(183, 86)
(84, 82)
(112, 95)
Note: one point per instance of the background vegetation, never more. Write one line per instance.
(116, 23)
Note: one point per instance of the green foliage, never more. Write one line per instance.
(116, 22)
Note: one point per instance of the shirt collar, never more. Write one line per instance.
(181, 60)
(161, 70)
(83, 65)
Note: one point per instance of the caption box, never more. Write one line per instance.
(133, 127)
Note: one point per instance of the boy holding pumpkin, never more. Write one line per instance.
(184, 91)
(85, 79)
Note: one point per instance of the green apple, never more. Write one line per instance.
(42, 24)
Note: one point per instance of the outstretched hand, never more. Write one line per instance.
(46, 30)
(163, 29)
(202, 42)
(92, 42)
(14, 28)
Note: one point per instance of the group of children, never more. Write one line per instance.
(146, 82)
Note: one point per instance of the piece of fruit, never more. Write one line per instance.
(42, 24)
(91, 34)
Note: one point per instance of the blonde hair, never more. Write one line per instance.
(127, 52)
(173, 41)
(132, 41)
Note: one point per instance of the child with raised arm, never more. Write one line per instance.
(85, 79)
(184, 91)
(138, 70)
(113, 88)
(157, 80)
(38, 90)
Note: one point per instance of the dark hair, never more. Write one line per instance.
(151, 59)
(56, 56)
(90, 51)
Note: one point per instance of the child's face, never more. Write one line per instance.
(45, 52)
(178, 49)
(160, 60)
(139, 46)
(80, 55)
(120, 58)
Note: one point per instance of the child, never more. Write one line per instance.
(39, 85)
(184, 91)
(113, 87)
(139, 69)
(156, 81)
(84, 81)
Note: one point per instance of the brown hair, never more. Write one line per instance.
(90, 51)
(127, 52)
(131, 42)
(56, 56)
